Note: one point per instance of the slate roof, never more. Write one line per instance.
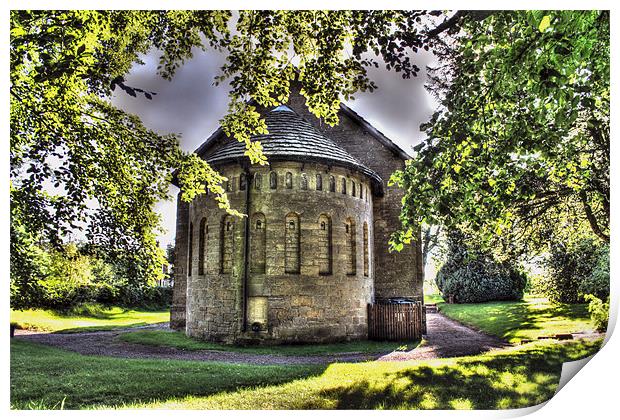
(293, 138)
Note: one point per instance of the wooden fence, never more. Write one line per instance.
(395, 322)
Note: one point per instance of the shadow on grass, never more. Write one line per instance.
(42, 377)
(502, 381)
(179, 340)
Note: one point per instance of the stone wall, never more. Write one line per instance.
(308, 306)
(401, 273)
(177, 311)
(305, 306)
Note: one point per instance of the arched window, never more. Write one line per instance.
(242, 182)
(202, 246)
(350, 246)
(273, 180)
(353, 192)
(257, 244)
(291, 246)
(190, 251)
(258, 182)
(325, 245)
(343, 184)
(361, 191)
(319, 182)
(289, 180)
(227, 244)
(304, 182)
(366, 256)
(332, 184)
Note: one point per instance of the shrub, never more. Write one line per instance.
(473, 276)
(576, 269)
(597, 283)
(599, 312)
(67, 280)
(145, 296)
(70, 279)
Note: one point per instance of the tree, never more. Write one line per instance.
(573, 270)
(518, 153)
(76, 161)
(171, 259)
(79, 163)
(471, 275)
(431, 237)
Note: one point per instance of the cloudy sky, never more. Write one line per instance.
(191, 106)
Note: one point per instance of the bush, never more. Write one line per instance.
(576, 269)
(145, 296)
(472, 276)
(597, 283)
(67, 280)
(599, 312)
(70, 279)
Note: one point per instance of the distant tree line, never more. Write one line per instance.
(78, 274)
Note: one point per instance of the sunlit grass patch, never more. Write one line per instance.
(88, 317)
(433, 298)
(527, 319)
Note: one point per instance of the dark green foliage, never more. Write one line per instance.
(471, 275)
(597, 283)
(576, 268)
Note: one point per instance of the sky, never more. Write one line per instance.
(191, 106)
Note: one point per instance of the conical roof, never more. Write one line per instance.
(292, 138)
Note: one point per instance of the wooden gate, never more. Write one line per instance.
(395, 322)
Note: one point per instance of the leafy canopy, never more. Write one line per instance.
(80, 164)
(518, 152)
(522, 136)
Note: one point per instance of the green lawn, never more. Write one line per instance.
(527, 319)
(181, 341)
(44, 377)
(86, 318)
(433, 298)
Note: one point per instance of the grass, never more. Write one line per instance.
(45, 377)
(527, 319)
(180, 341)
(433, 298)
(86, 318)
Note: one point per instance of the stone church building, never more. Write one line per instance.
(314, 250)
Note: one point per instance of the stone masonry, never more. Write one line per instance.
(309, 275)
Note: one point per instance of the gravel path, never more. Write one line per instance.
(448, 338)
(445, 338)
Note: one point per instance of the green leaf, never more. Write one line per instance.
(544, 23)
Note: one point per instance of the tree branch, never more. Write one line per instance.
(591, 218)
